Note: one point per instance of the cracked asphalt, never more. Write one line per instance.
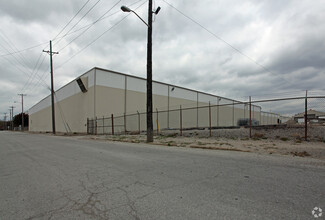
(52, 177)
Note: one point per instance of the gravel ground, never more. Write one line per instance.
(279, 140)
(259, 144)
(315, 133)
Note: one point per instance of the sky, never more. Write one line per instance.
(234, 49)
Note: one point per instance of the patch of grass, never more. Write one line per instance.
(219, 148)
(225, 143)
(300, 154)
(258, 135)
(284, 139)
(296, 136)
(172, 135)
(171, 143)
(161, 137)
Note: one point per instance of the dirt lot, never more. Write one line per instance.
(258, 144)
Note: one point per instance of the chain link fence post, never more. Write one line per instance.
(157, 122)
(87, 125)
(218, 102)
(139, 122)
(250, 117)
(233, 113)
(124, 123)
(306, 117)
(112, 117)
(180, 121)
(210, 119)
(96, 125)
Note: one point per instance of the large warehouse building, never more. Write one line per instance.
(100, 93)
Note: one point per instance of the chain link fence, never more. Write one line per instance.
(296, 113)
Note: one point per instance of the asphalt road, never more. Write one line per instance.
(47, 177)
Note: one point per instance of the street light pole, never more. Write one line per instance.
(149, 67)
(149, 76)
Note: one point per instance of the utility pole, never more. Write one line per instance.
(5, 125)
(5, 121)
(12, 117)
(149, 76)
(22, 111)
(9, 118)
(149, 67)
(52, 89)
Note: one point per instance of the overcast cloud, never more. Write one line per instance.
(285, 37)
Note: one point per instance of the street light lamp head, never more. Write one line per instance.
(157, 10)
(125, 9)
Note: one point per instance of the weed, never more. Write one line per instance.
(258, 135)
(284, 139)
(222, 143)
(172, 135)
(300, 154)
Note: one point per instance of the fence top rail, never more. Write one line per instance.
(284, 99)
(220, 105)
(270, 113)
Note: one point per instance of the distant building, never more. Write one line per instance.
(312, 116)
(100, 92)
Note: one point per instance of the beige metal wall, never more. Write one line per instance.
(72, 108)
(115, 93)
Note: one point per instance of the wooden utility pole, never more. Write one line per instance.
(52, 85)
(5, 121)
(22, 111)
(12, 117)
(149, 76)
(9, 119)
(149, 66)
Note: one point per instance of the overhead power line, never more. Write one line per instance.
(21, 61)
(79, 20)
(23, 50)
(71, 20)
(219, 38)
(36, 69)
(93, 41)
(91, 25)
(12, 48)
